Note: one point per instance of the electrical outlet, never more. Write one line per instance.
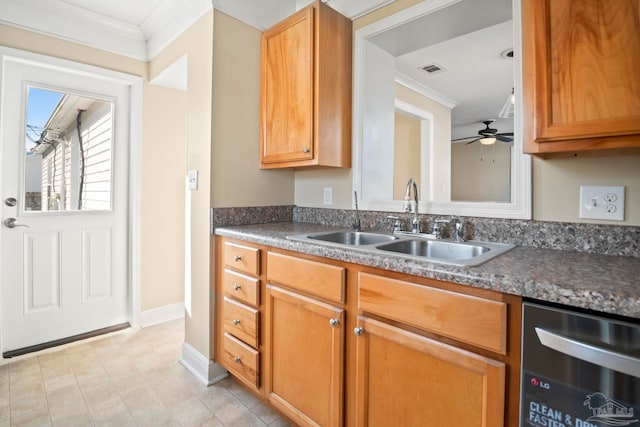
(605, 203)
(328, 196)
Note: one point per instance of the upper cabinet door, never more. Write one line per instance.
(287, 89)
(305, 115)
(581, 63)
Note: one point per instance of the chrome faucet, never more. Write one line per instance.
(458, 229)
(357, 226)
(406, 207)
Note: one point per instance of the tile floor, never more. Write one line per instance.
(130, 378)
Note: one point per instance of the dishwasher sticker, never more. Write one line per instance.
(546, 403)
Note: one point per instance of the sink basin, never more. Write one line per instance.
(353, 238)
(467, 254)
(435, 249)
(457, 253)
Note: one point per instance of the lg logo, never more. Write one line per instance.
(537, 383)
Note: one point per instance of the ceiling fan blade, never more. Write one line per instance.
(462, 139)
(471, 142)
(504, 137)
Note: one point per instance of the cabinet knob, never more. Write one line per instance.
(236, 359)
(236, 322)
(237, 258)
(334, 322)
(236, 287)
(358, 331)
(306, 150)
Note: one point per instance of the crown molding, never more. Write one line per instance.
(164, 25)
(423, 90)
(59, 19)
(68, 22)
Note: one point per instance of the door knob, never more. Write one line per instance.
(12, 223)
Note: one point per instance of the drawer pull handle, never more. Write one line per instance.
(334, 322)
(237, 258)
(236, 359)
(306, 150)
(236, 322)
(236, 287)
(358, 331)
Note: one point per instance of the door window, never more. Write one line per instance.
(68, 152)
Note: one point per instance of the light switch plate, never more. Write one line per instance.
(192, 179)
(600, 202)
(327, 198)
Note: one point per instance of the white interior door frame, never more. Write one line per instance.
(135, 83)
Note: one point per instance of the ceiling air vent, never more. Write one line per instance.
(433, 68)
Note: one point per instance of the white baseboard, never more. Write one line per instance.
(207, 371)
(161, 314)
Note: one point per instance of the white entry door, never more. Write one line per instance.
(64, 188)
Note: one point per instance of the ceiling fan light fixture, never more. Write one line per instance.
(488, 140)
(508, 108)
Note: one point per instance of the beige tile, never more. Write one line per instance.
(122, 368)
(281, 422)
(192, 412)
(232, 385)
(266, 414)
(51, 385)
(66, 404)
(33, 419)
(99, 390)
(245, 419)
(138, 395)
(248, 399)
(152, 415)
(172, 394)
(111, 412)
(4, 374)
(29, 411)
(21, 367)
(25, 391)
(225, 408)
(78, 419)
(129, 379)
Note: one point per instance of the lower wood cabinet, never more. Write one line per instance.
(405, 379)
(423, 352)
(305, 345)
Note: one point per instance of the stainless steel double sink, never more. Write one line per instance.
(468, 253)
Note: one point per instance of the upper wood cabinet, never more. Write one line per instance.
(305, 111)
(581, 75)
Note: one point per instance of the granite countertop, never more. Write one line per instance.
(605, 283)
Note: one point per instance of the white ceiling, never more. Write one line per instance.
(141, 28)
(467, 39)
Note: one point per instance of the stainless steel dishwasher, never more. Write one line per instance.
(578, 369)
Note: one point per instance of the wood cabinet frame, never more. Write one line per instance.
(349, 305)
(555, 70)
(305, 119)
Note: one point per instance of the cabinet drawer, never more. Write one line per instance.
(241, 360)
(311, 277)
(473, 320)
(241, 321)
(241, 287)
(242, 258)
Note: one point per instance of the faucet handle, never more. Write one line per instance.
(458, 228)
(436, 229)
(397, 225)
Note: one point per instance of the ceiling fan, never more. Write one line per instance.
(488, 136)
